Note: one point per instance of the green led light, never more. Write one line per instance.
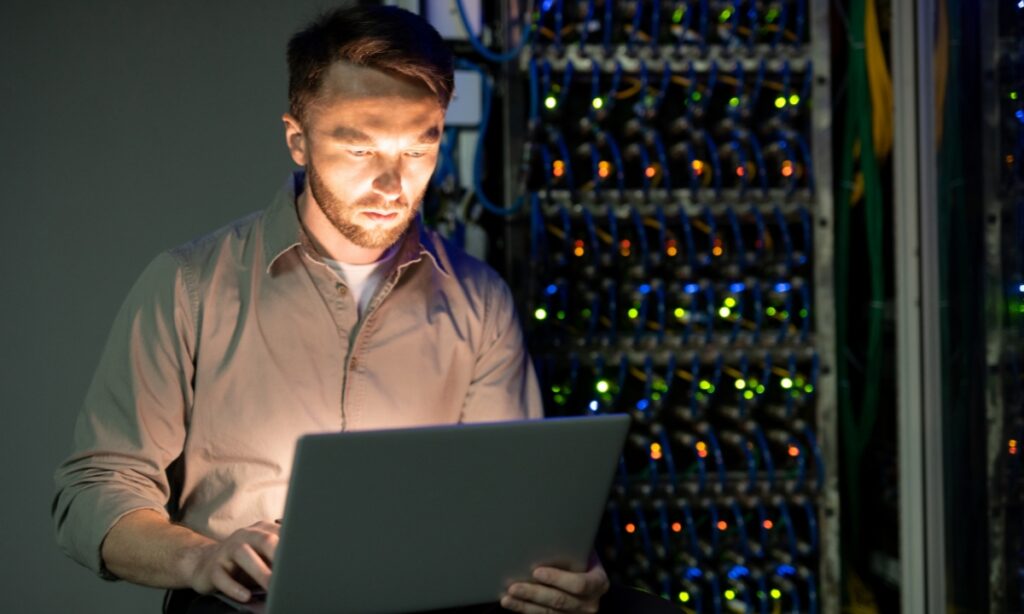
(729, 594)
(541, 313)
(585, 313)
(556, 389)
(794, 100)
(551, 102)
(684, 597)
(760, 389)
(660, 385)
(559, 399)
(729, 301)
(786, 383)
(771, 15)
(784, 315)
(776, 593)
(725, 312)
(808, 388)
(780, 102)
(597, 103)
(560, 315)
(602, 386)
(696, 96)
(760, 594)
(633, 313)
(725, 15)
(803, 313)
(1013, 95)
(748, 394)
(770, 311)
(734, 102)
(655, 396)
(740, 384)
(705, 384)
(680, 313)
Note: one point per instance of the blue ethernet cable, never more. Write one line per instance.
(659, 214)
(801, 463)
(758, 82)
(787, 522)
(801, 12)
(812, 593)
(755, 289)
(791, 367)
(781, 25)
(655, 26)
(705, 12)
(639, 325)
(694, 386)
(482, 49)
(613, 146)
(563, 149)
(559, 19)
(734, 111)
(762, 518)
(592, 321)
(641, 235)
(787, 243)
(766, 455)
(741, 527)
(585, 27)
(563, 213)
(645, 535)
(709, 218)
(716, 450)
(613, 226)
(755, 147)
(691, 248)
(670, 463)
(741, 401)
(812, 526)
(805, 303)
(623, 372)
(594, 244)
(784, 329)
(534, 92)
(546, 160)
(737, 236)
(662, 324)
(691, 530)
(805, 152)
(538, 236)
(666, 540)
(819, 466)
(716, 594)
(607, 29)
(613, 312)
(711, 312)
(752, 18)
(637, 17)
(659, 148)
(716, 166)
(762, 593)
(741, 159)
(645, 163)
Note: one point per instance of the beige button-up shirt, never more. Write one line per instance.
(231, 347)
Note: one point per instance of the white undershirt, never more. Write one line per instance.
(362, 279)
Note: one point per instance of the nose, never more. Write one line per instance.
(388, 181)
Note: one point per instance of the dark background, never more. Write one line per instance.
(127, 127)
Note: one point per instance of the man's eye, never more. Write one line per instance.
(415, 154)
(359, 153)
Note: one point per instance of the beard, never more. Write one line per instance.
(344, 216)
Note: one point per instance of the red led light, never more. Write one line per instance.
(630, 528)
(787, 169)
(677, 527)
(650, 172)
(768, 524)
(740, 171)
(722, 525)
(793, 450)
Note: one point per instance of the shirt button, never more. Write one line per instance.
(342, 289)
(354, 364)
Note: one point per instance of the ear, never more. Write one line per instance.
(295, 139)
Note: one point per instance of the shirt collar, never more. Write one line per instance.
(283, 231)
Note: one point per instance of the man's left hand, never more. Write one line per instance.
(556, 590)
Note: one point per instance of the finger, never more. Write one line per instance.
(223, 582)
(574, 583)
(547, 596)
(263, 542)
(253, 566)
(515, 605)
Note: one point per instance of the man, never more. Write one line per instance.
(332, 309)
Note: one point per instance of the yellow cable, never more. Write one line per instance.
(880, 84)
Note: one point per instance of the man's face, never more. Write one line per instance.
(369, 145)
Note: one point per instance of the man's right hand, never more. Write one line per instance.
(146, 548)
(237, 564)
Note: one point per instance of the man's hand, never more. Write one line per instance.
(555, 590)
(237, 564)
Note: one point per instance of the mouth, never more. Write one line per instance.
(381, 216)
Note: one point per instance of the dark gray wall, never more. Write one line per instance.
(127, 127)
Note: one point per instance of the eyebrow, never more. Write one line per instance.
(351, 135)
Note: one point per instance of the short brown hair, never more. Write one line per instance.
(385, 38)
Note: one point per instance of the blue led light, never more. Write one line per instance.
(546, 6)
(786, 570)
(691, 288)
(1020, 113)
(552, 289)
(693, 573)
(644, 289)
(642, 404)
(594, 406)
(737, 572)
(737, 287)
(783, 287)
(1020, 288)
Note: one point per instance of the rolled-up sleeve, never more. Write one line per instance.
(504, 385)
(132, 424)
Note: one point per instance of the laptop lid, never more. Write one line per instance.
(417, 519)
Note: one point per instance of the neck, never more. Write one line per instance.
(327, 239)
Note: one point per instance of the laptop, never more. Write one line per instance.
(417, 519)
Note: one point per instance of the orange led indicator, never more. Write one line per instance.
(740, 171)
(670, 247)
(768, 524)
(702, 449)
(677, 527)
(656, 451)
(722, 525)
(1013, 446)
(604, 168)
(787, 169)
(630, 528)
(558, 168)
(698, 167)
(793, 450)
(650, 171)
(1009, 159)
(578, 248)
